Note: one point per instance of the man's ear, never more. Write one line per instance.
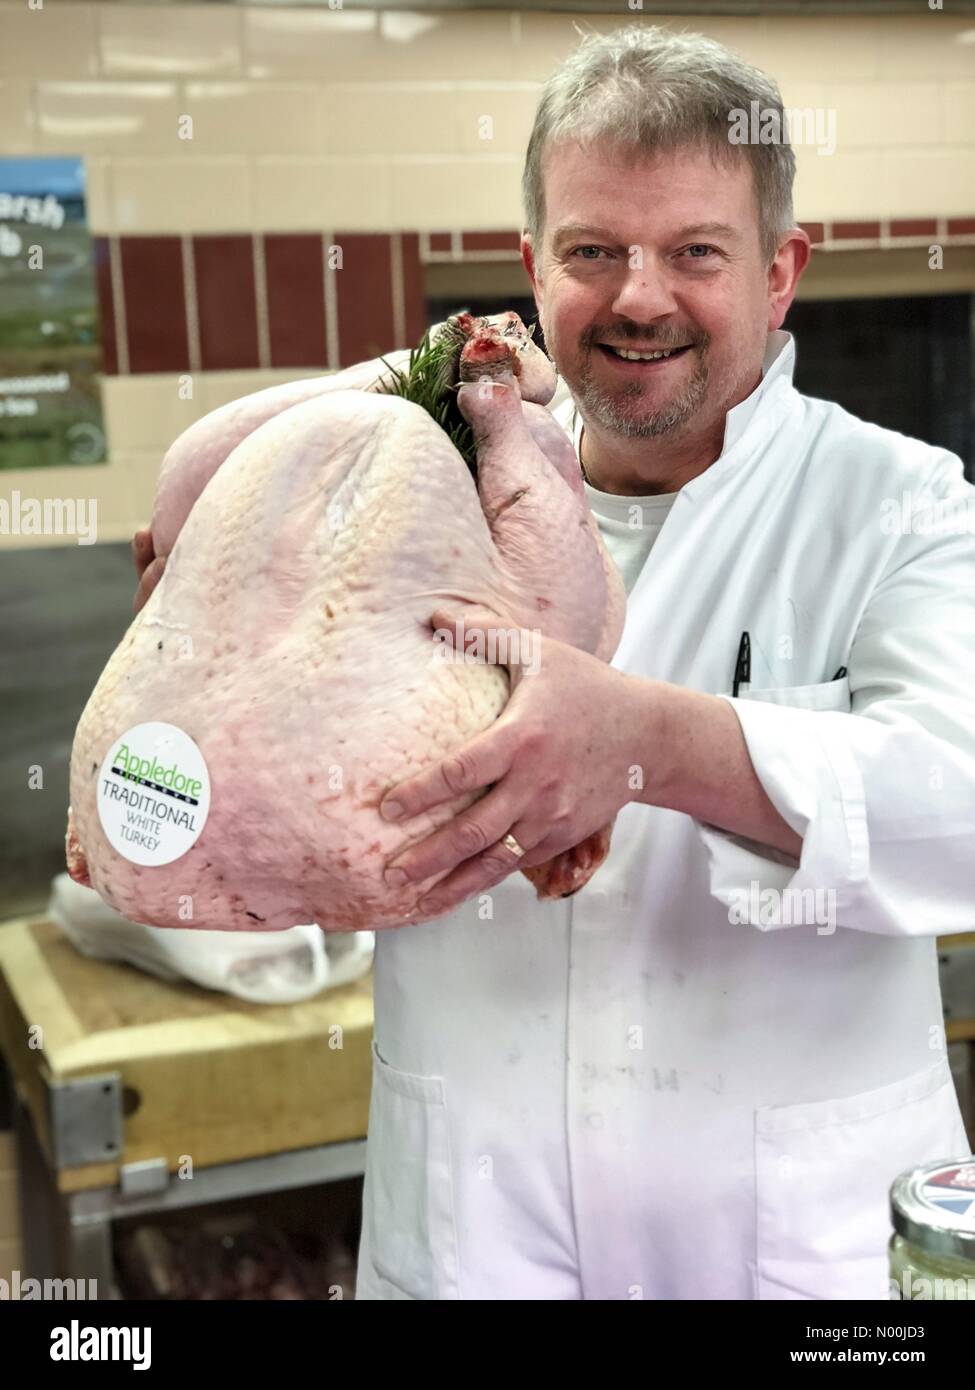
(785, 273)
(528, 261)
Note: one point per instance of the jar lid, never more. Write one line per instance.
(933, 1207)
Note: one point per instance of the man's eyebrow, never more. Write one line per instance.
(578, 229)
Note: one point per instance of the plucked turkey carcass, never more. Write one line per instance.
(311, 531)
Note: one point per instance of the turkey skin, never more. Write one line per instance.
(311, 532)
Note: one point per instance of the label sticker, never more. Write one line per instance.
(153, 794)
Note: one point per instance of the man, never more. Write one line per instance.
(697, 1077)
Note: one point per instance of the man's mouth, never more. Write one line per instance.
(626, 354)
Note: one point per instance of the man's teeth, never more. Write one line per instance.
(640, 356)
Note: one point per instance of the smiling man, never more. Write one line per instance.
(698, 1076)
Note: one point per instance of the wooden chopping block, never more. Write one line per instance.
(203, 1075)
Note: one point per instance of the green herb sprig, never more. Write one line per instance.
(430, 381)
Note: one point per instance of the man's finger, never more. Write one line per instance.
(475, 876)
(471, 833)
(478, 630)
(150, 578)
(486, 759)
(142, 550)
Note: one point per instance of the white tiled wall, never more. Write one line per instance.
(286, 102)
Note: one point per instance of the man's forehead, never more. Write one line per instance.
(576, 194)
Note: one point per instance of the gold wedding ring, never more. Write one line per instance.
(511, 843)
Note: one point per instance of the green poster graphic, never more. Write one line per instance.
(50, 345)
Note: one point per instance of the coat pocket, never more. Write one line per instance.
(825, 695)
(409, 1241)
(823, 1174)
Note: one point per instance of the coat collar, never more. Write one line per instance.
(750, 424)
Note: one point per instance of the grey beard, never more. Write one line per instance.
(604, 409)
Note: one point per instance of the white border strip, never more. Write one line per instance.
(332, 343)
(118, 306)
(191, 307)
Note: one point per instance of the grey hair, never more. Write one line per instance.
(643, 89)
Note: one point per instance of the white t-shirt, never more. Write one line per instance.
(628, 525)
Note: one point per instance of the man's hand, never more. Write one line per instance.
(148, 566)
(557, 762)
(576, 741)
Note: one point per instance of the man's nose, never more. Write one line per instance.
(646, 291)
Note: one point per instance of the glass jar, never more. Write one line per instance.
(932, 1250)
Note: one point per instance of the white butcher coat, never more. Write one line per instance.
(659, 1088)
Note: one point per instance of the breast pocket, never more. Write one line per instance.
(825, 695)
(823, 1174)
(409, 1242)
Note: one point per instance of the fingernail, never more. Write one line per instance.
(396, 877)
(428, 905)
(390, 810)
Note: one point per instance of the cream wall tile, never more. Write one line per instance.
(886, 113)
(146, 411)
(98, 193)
(379, 118)
(171, 41)
(138, 474)
(105, 485)
(802, 94)
(960, 113)
(511, 113)
(218, 388)
(17, 121)
(312, 195)
(935, 45)
(56, 41)
(288, 194)
(326, 45)
(838, 46)
(474, 194)
(922, 182)
(254, 117)
(419, 46)
(356, 196)
(180, 195)
(539, 42)
(788, 49)
(838, 187)
(107, 116)
(811, 120)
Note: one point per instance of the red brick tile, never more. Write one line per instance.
(440, 241)
(155, 308)
(916, 226)
(226, 302)
(856, 231)
(491, 241)
(364, 297)
(106, 307)
(295, 300)
(815, 231)
(961, 226)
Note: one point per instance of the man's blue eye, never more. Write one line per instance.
(699, 247)
(587, 248)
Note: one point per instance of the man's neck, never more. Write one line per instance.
(643, 468)
(635, 467)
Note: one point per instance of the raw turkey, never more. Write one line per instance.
(311, 531)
